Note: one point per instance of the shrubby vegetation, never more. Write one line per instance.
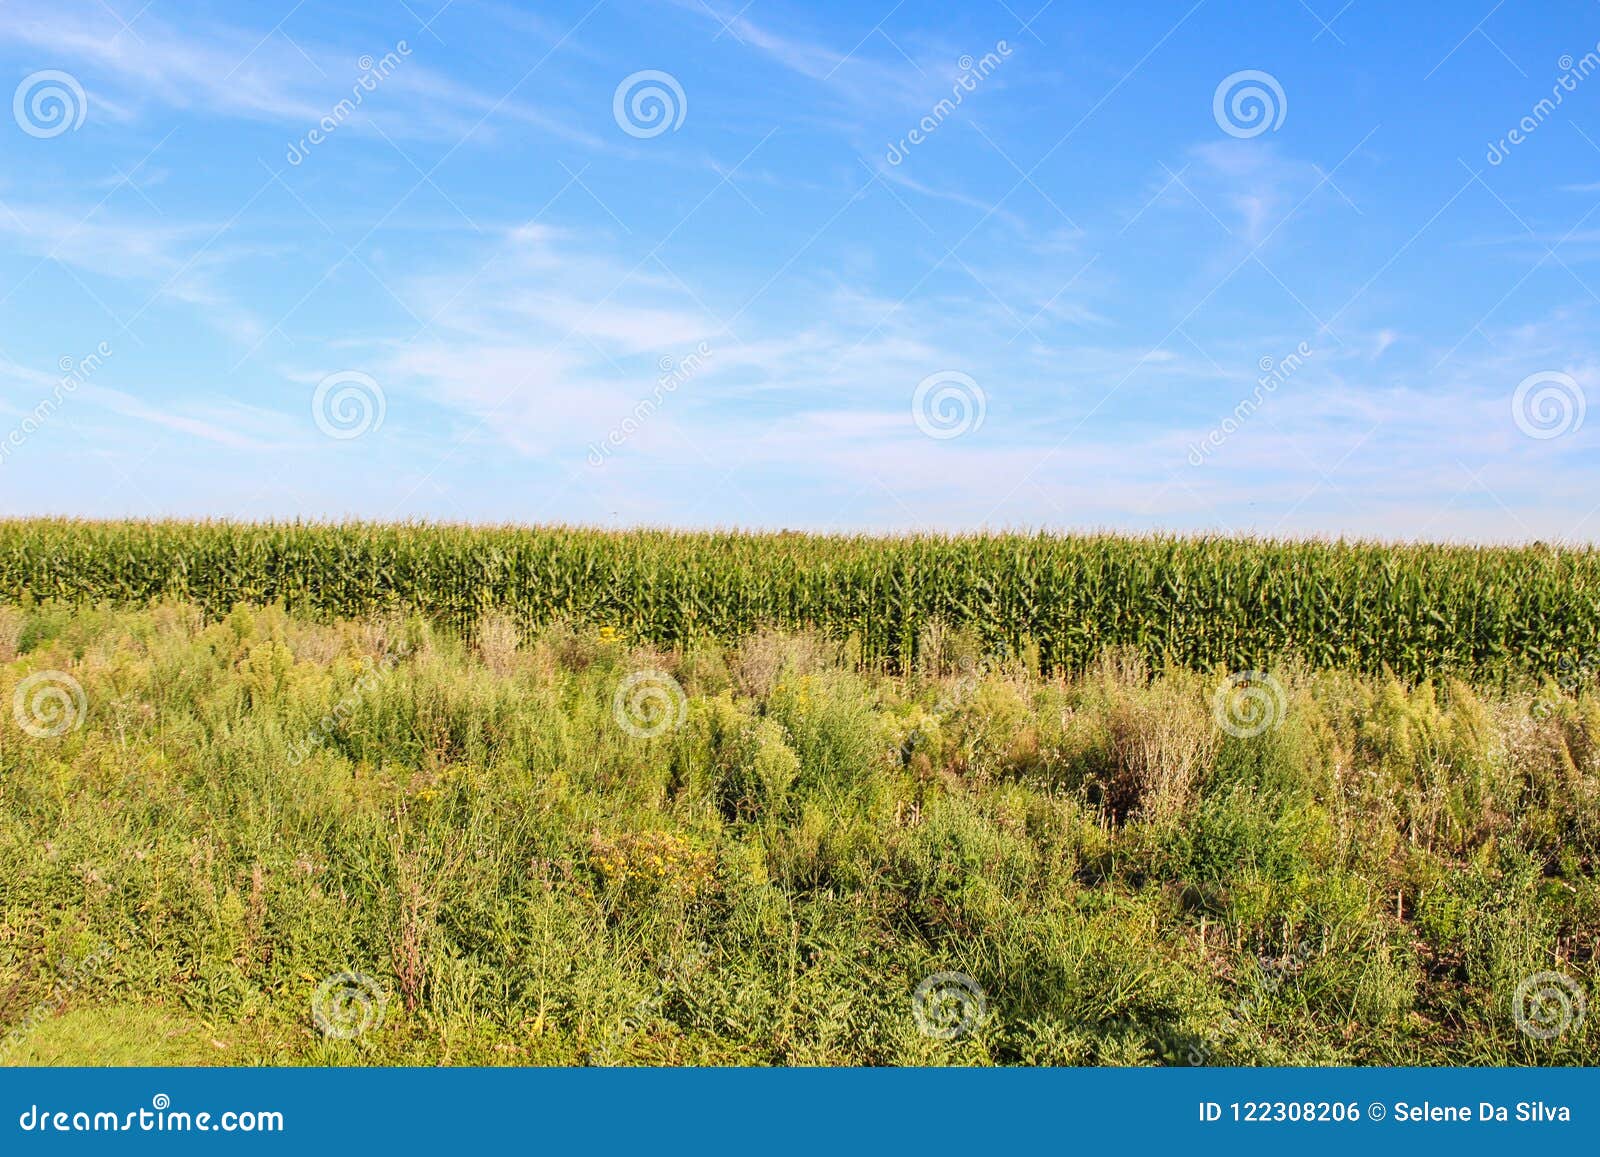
(257, 801)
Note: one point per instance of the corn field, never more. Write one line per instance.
(1059, 601)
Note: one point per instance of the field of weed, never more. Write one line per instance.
(263, 837)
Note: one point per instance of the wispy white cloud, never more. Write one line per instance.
(179, 261)
(235, 427)
(221, 69)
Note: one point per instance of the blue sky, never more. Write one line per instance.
(682, 262)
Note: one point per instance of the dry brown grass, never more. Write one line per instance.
(11, 620)
(498, 638)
